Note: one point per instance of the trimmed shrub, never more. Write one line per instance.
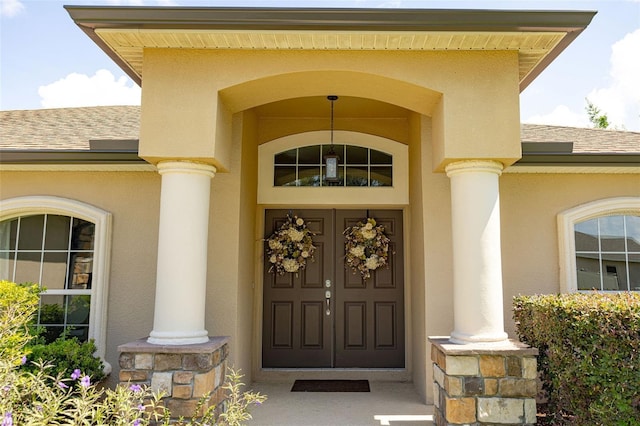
(589, 359)
(66, 355)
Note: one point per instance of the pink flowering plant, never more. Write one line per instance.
(290, 247)
(366, 247)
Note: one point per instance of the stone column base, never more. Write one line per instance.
(183, 372)
(484, 384)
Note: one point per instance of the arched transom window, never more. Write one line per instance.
(357, 166)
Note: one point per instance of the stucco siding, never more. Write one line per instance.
(133, 200)
(530, 204)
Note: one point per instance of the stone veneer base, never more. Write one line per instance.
(183, 372)
(484, 383)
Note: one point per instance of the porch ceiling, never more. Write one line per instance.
(124, 32)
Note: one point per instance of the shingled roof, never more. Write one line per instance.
(67, 128)
(73, 128)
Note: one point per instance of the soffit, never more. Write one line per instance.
(124, 32)
(531, 47)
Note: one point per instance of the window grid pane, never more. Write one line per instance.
(608, 253)
(57, 253)
(304, 166)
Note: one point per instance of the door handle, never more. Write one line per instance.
(327, 299)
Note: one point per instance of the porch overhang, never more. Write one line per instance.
(124, 32)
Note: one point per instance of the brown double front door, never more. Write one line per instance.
(327, 316)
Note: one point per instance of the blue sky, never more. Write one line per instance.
(47, 62)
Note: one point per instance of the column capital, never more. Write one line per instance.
(468, 166)
(181, 166)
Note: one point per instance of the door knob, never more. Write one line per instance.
(327, 298)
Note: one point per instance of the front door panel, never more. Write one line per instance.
(369, 329)
(365, 327)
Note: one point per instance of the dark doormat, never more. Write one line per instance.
(330, 386)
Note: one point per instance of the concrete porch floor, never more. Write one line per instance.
(388, 404)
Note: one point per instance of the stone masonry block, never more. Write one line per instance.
(460, 410)
(473, 386)
(490, 387)
(436, 395)
(126, 360)
(530, 410)
(514, 366)
(144, 361)
(218, 397)
(182, 377)
(501, 410)
(529, 368)
(161, 382)
(492, 366)
(181, 391)
(183, 407)
(438, 357)
(203, 383)
(219, 379)
(438, 375)
(217, 357)
(462, 365)
(453, 385)
(197, 362)
(165, 362)
(133, 376)
(511, 387)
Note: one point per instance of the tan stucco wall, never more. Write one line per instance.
(529, 206)
(133, 200)
(189, 94)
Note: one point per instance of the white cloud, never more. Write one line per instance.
(81, 90)
(10, 8)
(560, 116)
(619, 99)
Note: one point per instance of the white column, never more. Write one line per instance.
(477, 263)
(182, 254)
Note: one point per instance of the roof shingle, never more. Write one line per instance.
(73, 128)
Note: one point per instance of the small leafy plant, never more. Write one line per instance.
(38, 393)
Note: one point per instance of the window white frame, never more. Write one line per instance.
(396, 195)
(566, 232)
(32, 205)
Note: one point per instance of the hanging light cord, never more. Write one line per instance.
(332, 98)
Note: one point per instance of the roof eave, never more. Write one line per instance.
(14, 156)
(90, 18)
(580, 159)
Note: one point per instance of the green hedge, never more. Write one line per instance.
(589, 354)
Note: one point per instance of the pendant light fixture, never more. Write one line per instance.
(331, 158)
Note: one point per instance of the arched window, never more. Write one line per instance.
(371, 170)
(357, 166)
(63, 245)
(600, 246)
